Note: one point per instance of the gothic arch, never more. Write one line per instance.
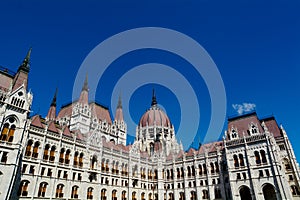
(269, 192)
(244, 192)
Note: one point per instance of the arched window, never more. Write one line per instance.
(75, 161)
(241, 158)
(123, 197)
(182, 172)
(8, 130)
(143, 196)
(257, 157)
(178, 173)
(133, 195)
(114, 195)
(4, 132)
(150, 196)
(23, 189)
(233, 134)
(107, 167)
(28, 148)
(155, 174)
(193, 170)
(89, 193)
(59, 191)
(151, 148)
(35, 152)
(217, 167)
(200, 170)
(193, 195)
(11, 133)
(189, 171)
(295, 190)
(181, 196)
(212, 168)
(103, 194)
(67, 157)
(235, 160)
(42, 189)
(46, 152)
(52, 154)
(81, 160)
(74, 194)
(93, 162)
(287, 165)
(204, 169)
(253, 129)
(218, 193)
(263, 156)
(204, 194)
(61, 156)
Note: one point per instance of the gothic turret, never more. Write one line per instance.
(120, 123)
(22, 74)
(51, 116)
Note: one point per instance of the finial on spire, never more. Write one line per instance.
(25, 64)
(85, 85)
(53, 103)
(154, 102)
(119, 102)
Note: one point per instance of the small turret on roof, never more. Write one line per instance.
(52, 110)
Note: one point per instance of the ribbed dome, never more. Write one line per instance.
(155, 116)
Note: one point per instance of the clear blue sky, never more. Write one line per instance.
(255, 45)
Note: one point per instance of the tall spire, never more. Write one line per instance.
(51, 116)
(53, 103)
(119, 111)
(154, 102)
(84, 95)
(22, 74)
(85, 85)
(119, 102)
(26, 62)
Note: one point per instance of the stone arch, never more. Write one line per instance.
(245, 193)
(269, 192)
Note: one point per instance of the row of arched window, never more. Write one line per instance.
(260, 157)
(32, 150)
(59, 193)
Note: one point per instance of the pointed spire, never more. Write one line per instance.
(22, 74)
(26, 62)
(85, 85)
(119, 111)
(51, 116)
(53, 103)
(84, 95)
(119, 102)
(154, 102)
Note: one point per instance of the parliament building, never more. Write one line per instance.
(80, 152)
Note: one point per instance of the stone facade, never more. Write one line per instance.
(81, 153)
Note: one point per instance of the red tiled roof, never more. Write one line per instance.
(242, 124)
(67, 132)
(52, 127)
(36, 121)
(273, 126)
(100, 112)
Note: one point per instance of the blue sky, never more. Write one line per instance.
(254, 44)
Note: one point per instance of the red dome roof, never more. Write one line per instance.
(155, 116)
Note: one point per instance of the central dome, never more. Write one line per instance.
(155, 116)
